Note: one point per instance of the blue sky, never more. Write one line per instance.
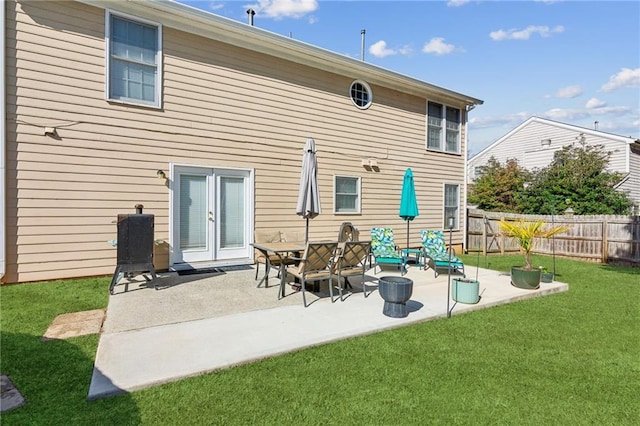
(576, 62)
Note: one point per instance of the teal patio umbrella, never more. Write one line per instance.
(408, 201)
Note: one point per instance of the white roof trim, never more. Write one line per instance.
(585, 130)
(206, 24)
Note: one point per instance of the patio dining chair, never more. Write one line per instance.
(316, 264)
(351, 261)
(436, 254)
(384, 250)
(268, 236)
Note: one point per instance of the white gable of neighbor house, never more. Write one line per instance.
(524, 143)
(631, 184)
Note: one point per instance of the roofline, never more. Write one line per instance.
(586, 130)
(196, 21)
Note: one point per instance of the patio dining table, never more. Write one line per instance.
(280, 249)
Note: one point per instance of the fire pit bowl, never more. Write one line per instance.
(395, 291)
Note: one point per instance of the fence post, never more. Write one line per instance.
(605, 243)
(484, 235)
(501, 239)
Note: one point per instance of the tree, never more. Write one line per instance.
(499, 187)
(577, 177)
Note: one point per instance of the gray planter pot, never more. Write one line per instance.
(546, 277)
(396, 292)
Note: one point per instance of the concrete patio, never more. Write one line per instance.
(200, 323)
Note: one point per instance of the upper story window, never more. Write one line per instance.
(443, 128)
(361, 94)
(346, 194)
(134, 70)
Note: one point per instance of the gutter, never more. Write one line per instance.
(3, 145)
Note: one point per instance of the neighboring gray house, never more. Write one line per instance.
(534, 142)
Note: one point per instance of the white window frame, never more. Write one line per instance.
(368, 90)
(157, 103)
(358, 194)
(444, 129)
(456, 217)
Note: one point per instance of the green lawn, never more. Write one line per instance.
(570, 358)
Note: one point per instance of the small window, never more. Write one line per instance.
(347, 194)
(361, 95)
(451, 205)
(443, 128)
(133, 61)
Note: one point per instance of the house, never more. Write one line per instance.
(201, 120)
(534, 143)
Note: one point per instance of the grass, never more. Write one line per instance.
(569, 358)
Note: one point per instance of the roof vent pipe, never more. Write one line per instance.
(362, 32)
(251, 14)
(595, 125)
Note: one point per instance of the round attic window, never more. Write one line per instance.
(361, 95)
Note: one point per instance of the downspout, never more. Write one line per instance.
(3, 144)
(465, 237)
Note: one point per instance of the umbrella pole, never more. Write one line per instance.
(407, 234)
(306, 232)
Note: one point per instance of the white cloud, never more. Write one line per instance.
(213, 5)
(565, 114)
(278, 9)
(379, 49)
(503, 120)
(406, 50)
(457, 3)
(595, 103)
(526, 33)
(625, 78)
(568, 92)
(437, 46)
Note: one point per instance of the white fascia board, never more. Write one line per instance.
(586, 130)
(199, 22)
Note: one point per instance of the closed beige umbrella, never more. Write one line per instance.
(309, 193)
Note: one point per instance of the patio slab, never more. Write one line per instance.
(209, 323)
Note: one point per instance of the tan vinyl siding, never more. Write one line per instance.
(222, 107)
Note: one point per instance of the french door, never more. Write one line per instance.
(211, 214)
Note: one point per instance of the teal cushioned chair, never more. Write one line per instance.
(436, 254)
(385, 251)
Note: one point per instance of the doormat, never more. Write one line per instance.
(200, 271)
(236, 268)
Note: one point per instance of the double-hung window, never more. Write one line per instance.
(443, 128)
(347, 194)
(451, 205)
(134, 69)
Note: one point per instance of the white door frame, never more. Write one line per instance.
(214, 255)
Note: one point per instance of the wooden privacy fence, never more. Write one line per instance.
(598, 238)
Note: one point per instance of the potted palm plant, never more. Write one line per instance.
(527, 233)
